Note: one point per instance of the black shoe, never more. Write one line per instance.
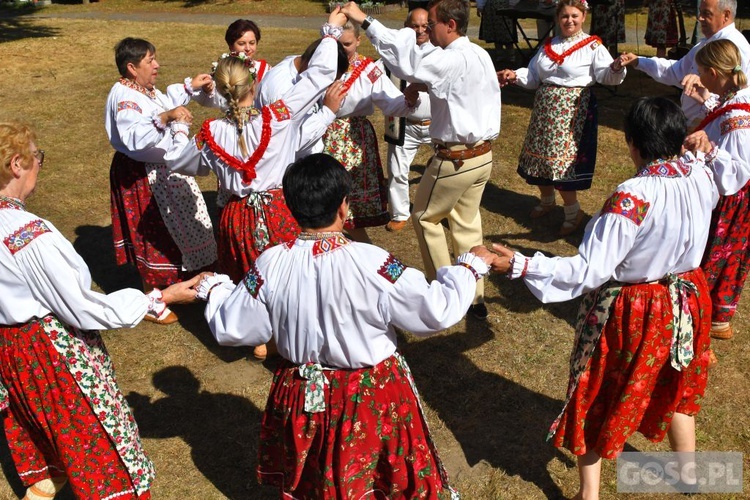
(479, 311)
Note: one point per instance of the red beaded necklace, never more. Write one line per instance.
(560, 58)
(720, 111)
(358, 69)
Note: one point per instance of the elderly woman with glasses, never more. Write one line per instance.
(63, 413)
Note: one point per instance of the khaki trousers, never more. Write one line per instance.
(448, 191)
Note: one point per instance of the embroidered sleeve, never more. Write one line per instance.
(253, 281)
(392, 269)
(17, 240)
(628, 205)
(280, 111)
(735, 123)
(374, 74)
(123, 105)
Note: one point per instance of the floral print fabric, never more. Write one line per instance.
(371, 437)
(560, 144)
(727, 258)
(250, 225)
(353, 142)
(628, 383)
(67, 416)
(662, 23)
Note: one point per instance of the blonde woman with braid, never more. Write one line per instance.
(727, 258)
(250, 149)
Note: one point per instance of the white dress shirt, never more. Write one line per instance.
(461, 81)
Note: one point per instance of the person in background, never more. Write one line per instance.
(608, 23)
(351, 138)
(465, 103)
(343, 419)
(661, 30)
(727, 258)
(716, 18)
(160, 222)
(641, 350)
(416, 132)
(496, 28)
(64, 416)
(250, 149)
(559, 152)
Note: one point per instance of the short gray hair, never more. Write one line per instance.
(730, 5)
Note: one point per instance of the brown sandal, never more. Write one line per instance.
(721, 331)
(167, 317)
(541, 210)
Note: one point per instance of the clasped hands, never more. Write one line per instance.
(499, 261)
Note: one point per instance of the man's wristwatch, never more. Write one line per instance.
(366, 23)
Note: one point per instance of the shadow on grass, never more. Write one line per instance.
(14, 26)
(221, 429)
(506, 429)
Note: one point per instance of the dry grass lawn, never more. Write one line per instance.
(491, 388)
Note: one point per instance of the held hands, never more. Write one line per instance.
(183, 292)
(353, 12)
(506, 76)
(626, 59)
(411, 93)
(334, 96)
(337, 17)
(698, 141)
(204, 81)
(499, 261)
(179, 114)
(692, 87)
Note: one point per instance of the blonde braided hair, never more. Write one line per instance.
(235, 81)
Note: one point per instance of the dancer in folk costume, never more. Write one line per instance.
(250, 149)
(351, 139)
(661, 30)
(64, 416)
(159, 219)
(343, 418)
(559, 152)
(642, 338)
(282, 77)
(727, 258)
(716, 18)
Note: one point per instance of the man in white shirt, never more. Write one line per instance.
(416, 131)
(716, 18)
(465, 103)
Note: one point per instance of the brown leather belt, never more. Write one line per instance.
(424, 123)
(457, 156)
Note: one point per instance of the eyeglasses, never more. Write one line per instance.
(431, 25)
(39, 155)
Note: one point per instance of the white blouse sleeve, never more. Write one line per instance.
(139, 134)
(604, 247)
(178, 94)
(528, 77)
(236, 318)
(425, 308)
(601, 67)
(732, 162)
(59, 279)
(183, 155)
(314, 126)
(314, 81)
(387, 96)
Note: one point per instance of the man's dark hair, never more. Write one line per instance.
(238, 28)
(656, 127)
(458, 10)
(342, 61)
(314, 188)
(131, 50)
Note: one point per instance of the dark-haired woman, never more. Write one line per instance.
(641, 350)
(160, 222)
(343, 419)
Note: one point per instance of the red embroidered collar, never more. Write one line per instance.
(246, 168)
(138, 87)
(12, 203)
(713, 115)
(357, 67)
(560, 58)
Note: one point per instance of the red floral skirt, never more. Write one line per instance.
(243, 237)
(371, 441)
(138, 230)
(629, 384)
(50, 427)
(727, 258)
